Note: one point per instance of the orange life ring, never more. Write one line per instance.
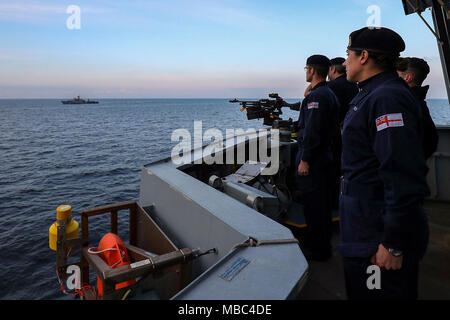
(115, 254)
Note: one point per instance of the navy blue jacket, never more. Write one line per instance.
(430, 135)
(318, 126)
(345, 92)
(384, 169)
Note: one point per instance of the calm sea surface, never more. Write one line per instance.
(85, 156)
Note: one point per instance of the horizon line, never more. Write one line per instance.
(117, 98)
(177, 98)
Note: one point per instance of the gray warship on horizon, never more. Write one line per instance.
(78, 100)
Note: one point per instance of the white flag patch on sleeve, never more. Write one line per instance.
(313, 105)
(389, 120)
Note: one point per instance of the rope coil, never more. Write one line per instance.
(77, 292)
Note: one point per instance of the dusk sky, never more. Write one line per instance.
(186, 49)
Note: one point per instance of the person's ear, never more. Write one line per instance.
(364, 57)
(409, 77)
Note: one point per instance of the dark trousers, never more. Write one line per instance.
(316, 198)
(337, 172)
(395, 284)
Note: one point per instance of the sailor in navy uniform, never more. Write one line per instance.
(317, 127)
(344, 89)
(381, 205)
(345, 92)
(414, 71)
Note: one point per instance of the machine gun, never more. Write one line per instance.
(270, 111)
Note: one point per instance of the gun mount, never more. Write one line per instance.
(270, 111)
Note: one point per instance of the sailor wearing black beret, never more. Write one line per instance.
(383, 188)
(317, 129)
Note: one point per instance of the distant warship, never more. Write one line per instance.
(78, 100)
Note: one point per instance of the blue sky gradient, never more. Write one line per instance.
(186, 49)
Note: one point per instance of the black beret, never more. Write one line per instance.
(318, 60)
(382, 40)
(337, 61)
